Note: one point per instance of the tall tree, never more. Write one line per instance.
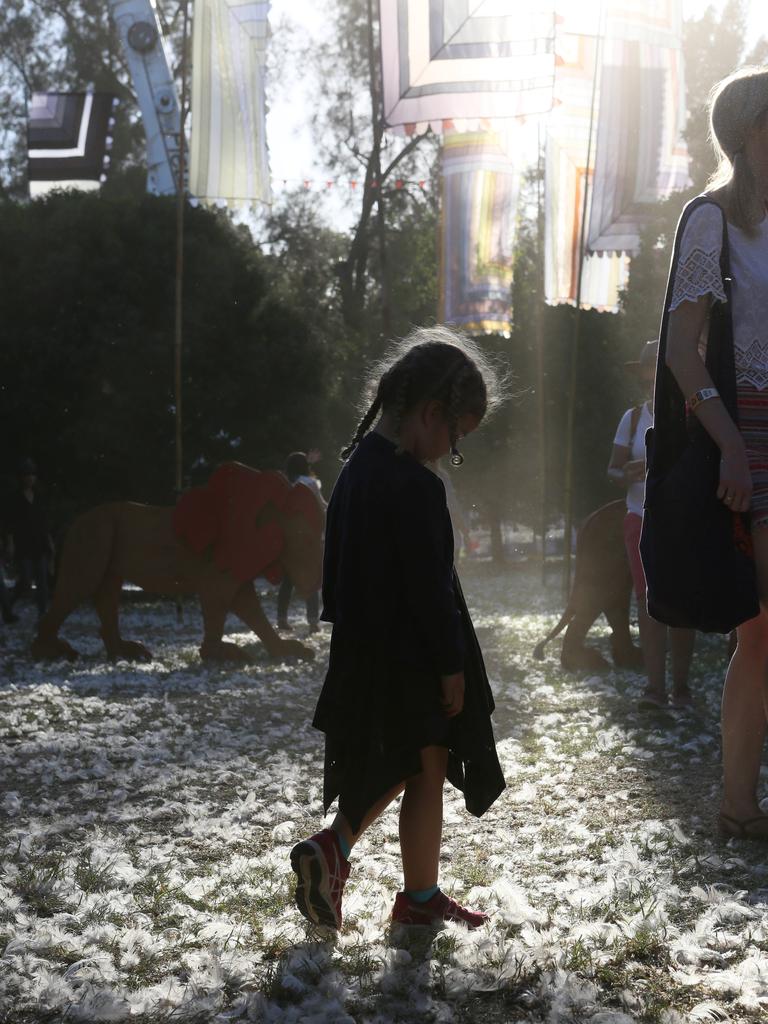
(349, 129)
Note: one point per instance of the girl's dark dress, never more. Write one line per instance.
(400, 623)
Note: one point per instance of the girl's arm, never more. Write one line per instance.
(686, 324)
(423, 558)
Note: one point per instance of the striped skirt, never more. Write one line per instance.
(753, 424)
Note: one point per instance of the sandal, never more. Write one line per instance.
(735, 829)
(652, 700)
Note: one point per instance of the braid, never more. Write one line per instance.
(362, 427)
(457, 396)
(400, 401)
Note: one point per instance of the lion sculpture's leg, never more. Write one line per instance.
(107, 602)
(84, 574)
(247, 606)
(82, 566)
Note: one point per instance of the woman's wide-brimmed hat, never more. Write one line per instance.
(648, 354)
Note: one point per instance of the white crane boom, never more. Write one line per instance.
(142, 41)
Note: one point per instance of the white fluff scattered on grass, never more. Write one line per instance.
(148, 812)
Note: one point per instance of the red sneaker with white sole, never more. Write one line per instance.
(434, 912)
(321, 871)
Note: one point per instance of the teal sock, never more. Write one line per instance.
(422, 895)
(344, 846)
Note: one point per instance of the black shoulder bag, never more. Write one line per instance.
(696, 554)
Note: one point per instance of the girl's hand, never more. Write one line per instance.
(735, 488)
(453, 694)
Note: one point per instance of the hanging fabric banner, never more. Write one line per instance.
(478, 219)
(228, 149)
(452, 60)
(641, 156)
(68, 139)
(623, 81)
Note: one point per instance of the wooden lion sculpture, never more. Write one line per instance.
(216, 541)
(602, 583)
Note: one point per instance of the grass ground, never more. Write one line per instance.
(147, 813)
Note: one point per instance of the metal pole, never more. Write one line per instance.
(571, 417)
(179, 289)
(178, 333)
(377, 124)
(539, 335)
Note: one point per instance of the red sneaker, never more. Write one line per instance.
(321, 871)
(437, 909)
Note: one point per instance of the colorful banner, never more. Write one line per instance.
(228, 150)
(479, 213)
(68, 139)
(462, 61)
(637, 156)
(641, 156)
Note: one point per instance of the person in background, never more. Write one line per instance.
(627, 469)
(5, 598)
(28, 525)
(299, 471)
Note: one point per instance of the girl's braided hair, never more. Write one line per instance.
(432, 363)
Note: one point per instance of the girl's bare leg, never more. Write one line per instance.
(341, 825)
(421, 819)
(744, 703)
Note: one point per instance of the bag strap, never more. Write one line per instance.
(672, 429)
(634, 419)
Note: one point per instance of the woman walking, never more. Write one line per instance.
(738, 192)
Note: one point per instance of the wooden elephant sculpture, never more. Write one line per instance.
(602, 583)
(214, 543)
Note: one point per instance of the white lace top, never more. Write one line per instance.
(698, 273)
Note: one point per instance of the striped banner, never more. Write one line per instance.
(637, 154)
(228, 151)
(641, 155)
(68, 135)
(465, 60)
(479, 211)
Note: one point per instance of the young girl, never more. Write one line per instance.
(406, 701)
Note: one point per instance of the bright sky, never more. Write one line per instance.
(292, 153)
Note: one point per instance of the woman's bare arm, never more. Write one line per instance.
(686, 324)
(622, 470)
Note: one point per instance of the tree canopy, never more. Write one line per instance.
(280, 320)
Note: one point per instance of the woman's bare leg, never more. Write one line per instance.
(681, 642)
(653, 640)
(744, 703)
